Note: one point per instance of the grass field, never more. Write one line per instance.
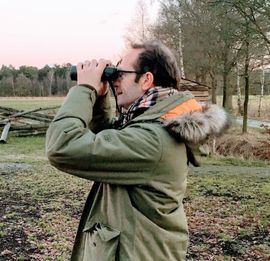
(253, 106)
(228, 213)
(227, 204)
(24, 103)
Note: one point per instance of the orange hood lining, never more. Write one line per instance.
(185, 107)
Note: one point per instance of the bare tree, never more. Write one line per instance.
(138, 30)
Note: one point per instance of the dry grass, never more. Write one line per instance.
(26, 103)
(31, 98)
(252, 145)
(254, 108)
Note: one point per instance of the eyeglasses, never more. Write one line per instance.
(121, 72)
(112, 73)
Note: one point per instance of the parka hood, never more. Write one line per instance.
(186, 119)
(194, 127)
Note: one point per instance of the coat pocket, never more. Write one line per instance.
(101, 243)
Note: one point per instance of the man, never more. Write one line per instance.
(134, 210)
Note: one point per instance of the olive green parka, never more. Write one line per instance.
(134, 210)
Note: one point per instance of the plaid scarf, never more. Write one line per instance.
(142, 104)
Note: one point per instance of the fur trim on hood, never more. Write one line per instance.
(196, 126)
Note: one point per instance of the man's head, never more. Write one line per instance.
(153, 65)
(160, 61)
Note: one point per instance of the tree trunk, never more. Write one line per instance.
(239, 98)
(203, 78)
(51, 80)
(227, 90)
(262, 89)
(245, 116)
(214, 88)
(180, 48)
(13, 87)
(225, 77)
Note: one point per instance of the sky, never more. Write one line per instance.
(36, 33)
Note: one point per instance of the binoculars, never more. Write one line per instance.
(110, 73)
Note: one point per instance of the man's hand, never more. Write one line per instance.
(90, 73)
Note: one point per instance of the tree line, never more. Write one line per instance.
(221, 43)
(31, 81)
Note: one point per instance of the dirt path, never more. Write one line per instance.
(251, 123)
(204, 169)
(6, 168)
(207, 169)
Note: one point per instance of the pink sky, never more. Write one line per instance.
(37, 33)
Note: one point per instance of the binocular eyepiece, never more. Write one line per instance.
(110, 73)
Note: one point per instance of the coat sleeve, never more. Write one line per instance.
(102, 114)
(128, 156)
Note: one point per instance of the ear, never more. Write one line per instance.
(147, 81)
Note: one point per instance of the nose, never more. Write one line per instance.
(116, 82)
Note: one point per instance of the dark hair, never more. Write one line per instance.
(160, 61)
